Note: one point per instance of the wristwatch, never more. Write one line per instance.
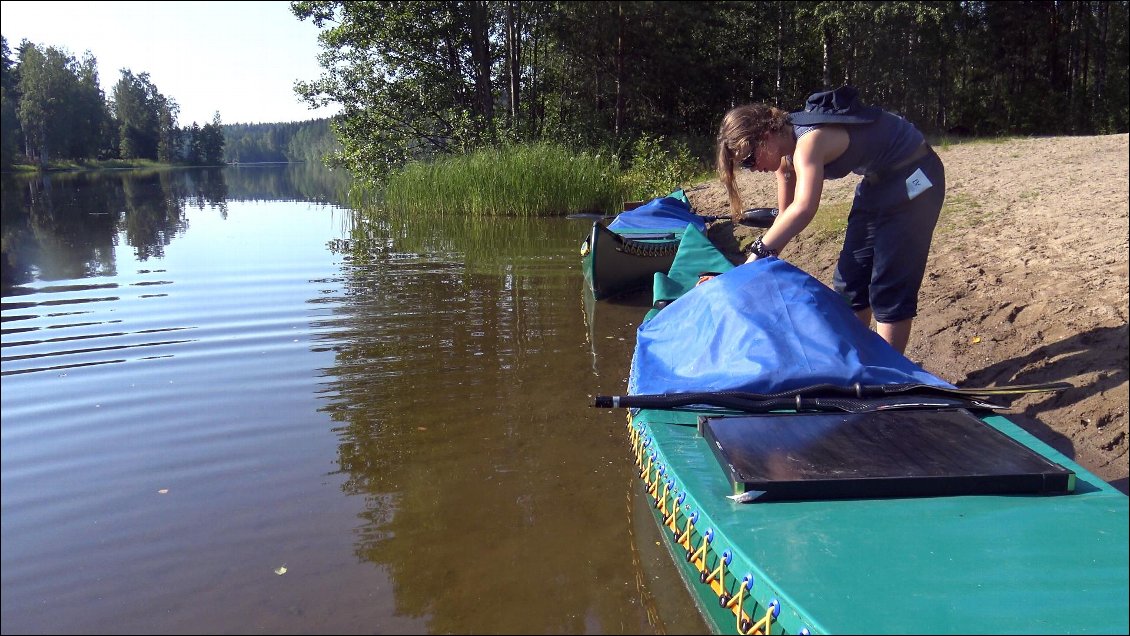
(760, 250)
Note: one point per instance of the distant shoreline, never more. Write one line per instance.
(118, 164)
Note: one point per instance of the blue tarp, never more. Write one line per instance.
(763, 327)
(664, 213)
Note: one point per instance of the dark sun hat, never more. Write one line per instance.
(835, 107)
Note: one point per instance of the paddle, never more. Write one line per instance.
(731, 402)
(826, 396)
(758, 217)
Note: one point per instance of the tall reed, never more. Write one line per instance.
(520, 180)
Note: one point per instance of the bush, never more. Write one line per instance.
(658, 166)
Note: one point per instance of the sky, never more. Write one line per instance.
(238, 58)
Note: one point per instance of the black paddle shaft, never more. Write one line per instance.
(827, 393)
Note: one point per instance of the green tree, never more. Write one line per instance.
(170, 138)
(48, 103)
(194, 152)
(212, 142)
(140, 108)
(416, 76)
(9, 97)
(90, 114)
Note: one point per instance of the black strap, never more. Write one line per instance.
(921, 151)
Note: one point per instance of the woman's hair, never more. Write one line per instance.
(738, 136)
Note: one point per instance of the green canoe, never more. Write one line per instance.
(990, 559)
(623, 255)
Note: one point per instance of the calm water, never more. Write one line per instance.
(230, 405)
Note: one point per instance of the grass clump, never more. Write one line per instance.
(831, 219)
(521, 180)
(541, 179)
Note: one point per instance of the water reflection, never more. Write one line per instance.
(309, 182)
(435, 371)
(66, 225)
(495, 497)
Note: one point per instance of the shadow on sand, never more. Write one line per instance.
(1101, 352)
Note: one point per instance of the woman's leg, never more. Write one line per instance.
(897, 334)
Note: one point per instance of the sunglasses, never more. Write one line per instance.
(750, 160)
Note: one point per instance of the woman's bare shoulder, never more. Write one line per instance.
(822, 145)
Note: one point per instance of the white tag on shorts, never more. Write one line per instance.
(916, 184)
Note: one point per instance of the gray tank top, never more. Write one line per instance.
(872, 147)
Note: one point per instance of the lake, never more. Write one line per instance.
(233, 403)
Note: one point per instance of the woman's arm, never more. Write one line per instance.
(786, 182)
(799, 197)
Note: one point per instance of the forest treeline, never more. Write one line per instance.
(421, 79)
(54, 109)
(279, 142)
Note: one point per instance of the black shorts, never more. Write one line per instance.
(888, 240)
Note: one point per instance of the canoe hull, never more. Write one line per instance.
(989, 563)
(616, 264)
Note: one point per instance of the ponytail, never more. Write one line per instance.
(726, 176)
